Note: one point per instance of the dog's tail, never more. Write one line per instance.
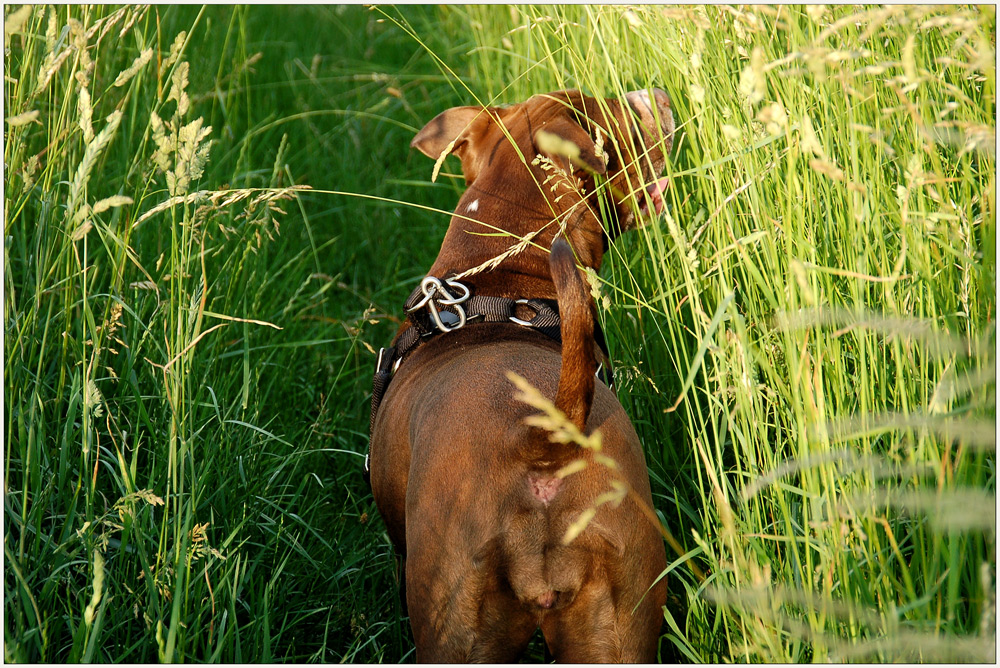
(579, 360)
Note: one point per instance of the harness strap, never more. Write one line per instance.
(443, 317)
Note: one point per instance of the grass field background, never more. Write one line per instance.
(192, 300)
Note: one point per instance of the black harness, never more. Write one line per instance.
(438, 307)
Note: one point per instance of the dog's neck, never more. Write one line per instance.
(486, 226)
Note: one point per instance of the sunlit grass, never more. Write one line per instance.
(822, 284)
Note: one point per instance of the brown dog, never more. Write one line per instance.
(468, 491)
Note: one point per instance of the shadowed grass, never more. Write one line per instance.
(185, 372)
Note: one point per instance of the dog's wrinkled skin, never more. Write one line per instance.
(467, 490)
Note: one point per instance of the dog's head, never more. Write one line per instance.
(550, 156)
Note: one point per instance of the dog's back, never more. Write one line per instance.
(486, 553)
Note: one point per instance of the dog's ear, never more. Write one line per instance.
(564, 139)
(444, 133)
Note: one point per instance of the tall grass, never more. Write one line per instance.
(804, 342)
(117, 271)
(185, 354)
(806, 339)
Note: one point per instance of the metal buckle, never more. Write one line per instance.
(432, 286)
(517, 320)
(381, 357)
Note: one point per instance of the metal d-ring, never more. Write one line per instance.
(432, 286)
(454, 301)
(517, 320)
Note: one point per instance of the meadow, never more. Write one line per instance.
(212, 218)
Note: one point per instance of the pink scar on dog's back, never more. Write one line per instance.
(544, 488)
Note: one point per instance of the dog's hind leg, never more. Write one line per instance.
(471, 619)
(600, 627)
